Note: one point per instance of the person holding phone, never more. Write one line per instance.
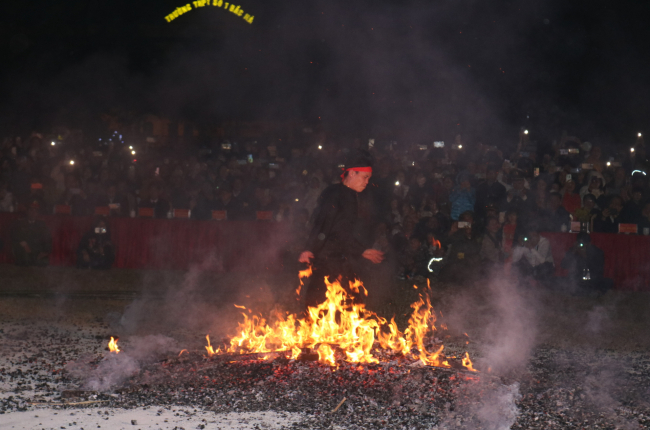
(533, 257)
(96, 250)
(585, 264)
(610, 217)
(339, 241)
(595, 185)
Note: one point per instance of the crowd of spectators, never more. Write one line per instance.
(438, 208)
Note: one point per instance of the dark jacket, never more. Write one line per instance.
(575, 263)
(35, 233)
(95, 251)
(555, 220)
(488, 194)
(339, 232)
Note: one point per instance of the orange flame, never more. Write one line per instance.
(302, 274)
(435, 243)
(467, 363)
(339, 329)
(211, 351)
(112, 345)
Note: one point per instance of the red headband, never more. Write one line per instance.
(356, 169)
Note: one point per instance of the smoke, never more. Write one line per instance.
(510, 336)
(114, 369)
(598, 320)
(500, 317)
(502, 320)
(484, 405)
(498, 410)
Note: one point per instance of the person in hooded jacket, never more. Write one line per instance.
(96, 250)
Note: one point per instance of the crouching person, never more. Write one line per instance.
(532, 257)
(585, 263)
(31, 240)
(96, 250)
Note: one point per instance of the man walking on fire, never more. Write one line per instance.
(340, 235)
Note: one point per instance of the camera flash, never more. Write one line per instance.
(397, 183)
(130, 147)
(53, 143)
(297, 200)
(320, 147)
(133, 152)
(72, 162)
(609, 163)
(639, 134)
(631, 149)
(460, 146)
(525, 131)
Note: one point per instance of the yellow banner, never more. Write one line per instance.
(230, 7)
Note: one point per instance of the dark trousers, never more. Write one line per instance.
(542, 272)
(24, 258)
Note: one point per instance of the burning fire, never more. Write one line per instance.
(302, 274)
(468, 363)
(338, 329)
(211, 351)
(112, 346)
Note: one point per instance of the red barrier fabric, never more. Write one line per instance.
(145, 243)
(256, 246)
(627, 257)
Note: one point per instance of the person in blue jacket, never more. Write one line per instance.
(463, 196)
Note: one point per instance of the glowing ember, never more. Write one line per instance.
(112, 346)
(338, 329)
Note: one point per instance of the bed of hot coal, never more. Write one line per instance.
(376, 396)
(559, 389)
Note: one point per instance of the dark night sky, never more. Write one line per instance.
(407, 68)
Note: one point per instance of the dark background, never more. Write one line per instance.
(418, 69)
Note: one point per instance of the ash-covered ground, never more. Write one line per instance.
(556, 361)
